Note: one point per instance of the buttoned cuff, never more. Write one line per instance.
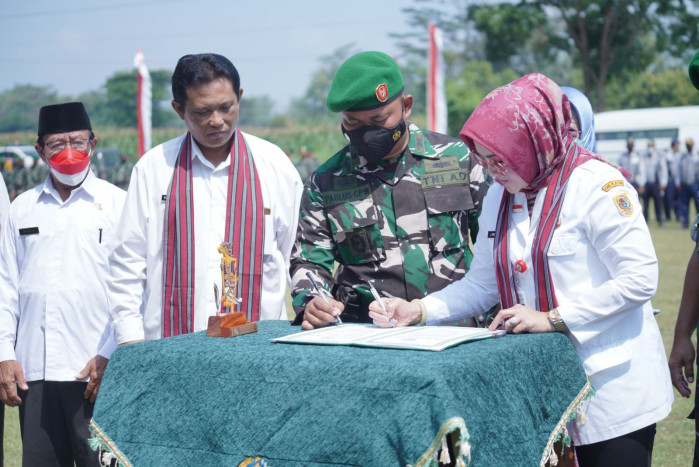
(7, 351)
(108, 347)
(129, 330)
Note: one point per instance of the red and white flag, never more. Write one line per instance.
(144, 104)
(436, 96)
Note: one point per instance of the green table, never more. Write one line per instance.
(196, 400)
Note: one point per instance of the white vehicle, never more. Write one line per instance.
(661, 124)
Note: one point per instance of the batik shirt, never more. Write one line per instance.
(404, 225)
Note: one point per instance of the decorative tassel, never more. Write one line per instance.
(94, 443)
(553, 458)
(444, 457)
(581, 417)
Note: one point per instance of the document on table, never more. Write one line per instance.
(433, 338)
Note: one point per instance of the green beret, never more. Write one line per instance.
(365, 81)
(694, 70)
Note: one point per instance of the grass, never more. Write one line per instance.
(674, 442)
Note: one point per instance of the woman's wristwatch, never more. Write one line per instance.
(558, 324)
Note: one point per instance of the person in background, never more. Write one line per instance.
(631, 162)
(689, 166)
(582, 127)
(670, 199)
(308, 163)
(556, 205)
(682, 355)
(122, 172)
(55, 330)
(213, 184)
(4, 212)
(395, 206)
(654, 179)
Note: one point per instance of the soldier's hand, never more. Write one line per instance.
(682, 365)
(11, 373)
(318, 314)
(398, 313)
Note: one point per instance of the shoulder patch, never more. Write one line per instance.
(623, 204)
(612, 184)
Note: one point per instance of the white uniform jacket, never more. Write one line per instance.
(604, 273)
(53, 269)
(135, 284)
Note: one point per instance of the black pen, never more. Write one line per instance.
(100, 235)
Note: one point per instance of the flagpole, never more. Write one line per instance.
(143, 104)
(436, 95)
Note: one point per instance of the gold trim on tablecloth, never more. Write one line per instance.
(106, 441)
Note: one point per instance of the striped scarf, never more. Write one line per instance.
(244, 229)
(551, 210)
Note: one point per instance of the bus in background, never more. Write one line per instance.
(661, 124)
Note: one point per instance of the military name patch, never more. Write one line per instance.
(331, 198)
(451, 177)
(612, 184)
(623, 204)
(445, 163)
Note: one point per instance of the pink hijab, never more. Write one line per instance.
(525, 123)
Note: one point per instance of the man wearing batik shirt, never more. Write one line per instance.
(396, 206)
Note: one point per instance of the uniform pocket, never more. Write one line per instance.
(447, 216)
(356, 230)
(564, 244)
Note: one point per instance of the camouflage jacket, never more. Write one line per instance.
(404, 225)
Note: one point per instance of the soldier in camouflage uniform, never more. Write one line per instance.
(393, 207)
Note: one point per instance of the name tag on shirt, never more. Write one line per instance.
(29, 231)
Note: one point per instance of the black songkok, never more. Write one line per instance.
(63, 118)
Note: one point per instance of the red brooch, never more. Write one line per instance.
(520, 266)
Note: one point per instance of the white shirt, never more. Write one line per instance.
(605, 272)
(54, 315)
(135, 285)
(4, 203)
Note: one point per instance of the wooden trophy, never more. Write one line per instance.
(230, 323)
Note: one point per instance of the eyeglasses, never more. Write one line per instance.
(78, 144)
(494, 166)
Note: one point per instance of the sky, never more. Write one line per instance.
(75, 45)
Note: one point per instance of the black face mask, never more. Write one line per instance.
(375, 142)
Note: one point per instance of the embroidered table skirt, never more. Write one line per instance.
(197, 400)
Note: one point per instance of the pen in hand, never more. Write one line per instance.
(320, 291)
(377, 297)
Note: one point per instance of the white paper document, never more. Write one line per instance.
(433, 338)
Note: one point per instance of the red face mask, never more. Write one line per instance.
(69, 161)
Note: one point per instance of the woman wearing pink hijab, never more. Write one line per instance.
(562, 247)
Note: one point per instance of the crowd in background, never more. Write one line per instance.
(670, 178)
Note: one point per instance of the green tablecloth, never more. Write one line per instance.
(196, 400)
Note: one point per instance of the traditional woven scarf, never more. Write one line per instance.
(244, 229)
(526, 123)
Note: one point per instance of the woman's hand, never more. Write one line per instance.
(398, 313)
(520, 319)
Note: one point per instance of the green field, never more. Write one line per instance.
(675, 439)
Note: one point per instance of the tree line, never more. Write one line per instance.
(621, 53)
